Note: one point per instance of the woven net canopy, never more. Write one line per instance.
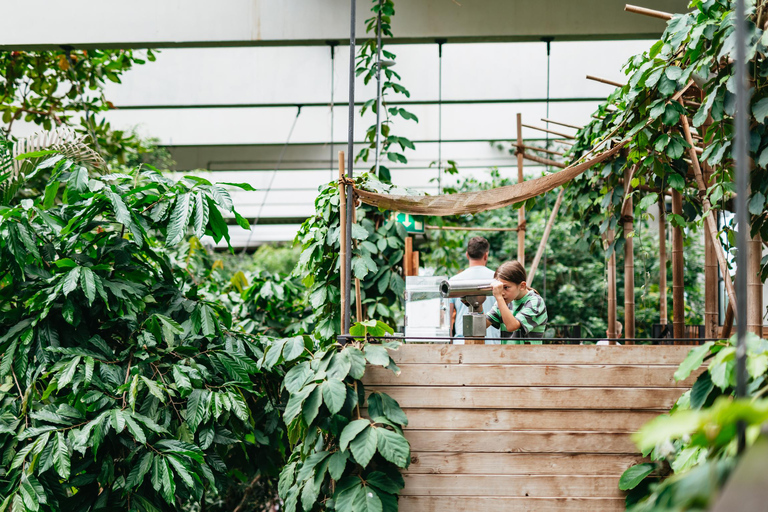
(473, 202)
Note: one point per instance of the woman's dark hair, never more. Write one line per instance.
(477, 248)
(511, 271)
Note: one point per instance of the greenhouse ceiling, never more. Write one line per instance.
(245, 94)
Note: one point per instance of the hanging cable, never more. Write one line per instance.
(272, 178)
(333, 78)
(440, 116)
(547, 40)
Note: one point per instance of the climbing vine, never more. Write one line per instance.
(367, 66)
(687, 74)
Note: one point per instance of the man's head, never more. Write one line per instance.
(477, 250)
(619, 329)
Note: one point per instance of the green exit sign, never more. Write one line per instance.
(412, 223)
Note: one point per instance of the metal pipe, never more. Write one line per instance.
(742, 219)
(378, 86)
(473, 288)
(350, 166)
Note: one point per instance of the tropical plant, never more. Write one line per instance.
(122, 388)
(695, 446)
(377, 254)
(340, 459)
(370, 67)
(692, 60)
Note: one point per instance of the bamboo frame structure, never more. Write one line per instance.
(342, 241)
(562, 124)
(544, 161)
(547, 130)
(545, 236)
(629, 257)
(462, 228)
(663, 316)
(648, 12)
(709, 220)
(754, 286)
(605, 81)
(549, 151)
(678, 268)
(612, 334)
(520, 178)
(711, 320)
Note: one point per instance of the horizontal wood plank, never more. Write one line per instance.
(540, 354)
(657, 376)
(492, 504)
(527, 419)
(531, 397)
(512, 486)
(520, 463)
(479, 441)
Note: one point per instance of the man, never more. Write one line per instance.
(477, 255)
(619, 328)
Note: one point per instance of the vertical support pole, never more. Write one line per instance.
(663, 316)
(711, 288)
(629, 259)
(342, 242)
(415, 263)
(378, 84)
(678, 268)
(727, 322)
(754, 286)
(358, 301)
(521, 211)
(350, 166)
(333, 77)
(740, 156)
(408, 257)
(610, 236)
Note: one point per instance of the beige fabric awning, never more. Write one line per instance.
(473, 202)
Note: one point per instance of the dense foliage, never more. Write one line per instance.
(377, 254)
(695, 445)
(65, 87)
(368, 65)
(695, 54)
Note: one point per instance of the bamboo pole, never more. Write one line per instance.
(575, 127)
(610, 236)
(358, 292)
(342, 240)
(461, 228)
(754, 286)
(544, 237)
(604, 81)
(549, 151)
(663, 317)
(521, 211)
(566, 142)
(546, 130)
(678, 268)
(415, 263)
(629, 258)
(408, 257)
(711, 321)
(648, 12)
(545, 161)
(728, 322)
(709, 220)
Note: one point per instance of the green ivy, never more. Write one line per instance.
(367, 66)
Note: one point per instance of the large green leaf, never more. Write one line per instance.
(393, 447)
(363, 446)
(178, 222)
(61, 456)
(351, 431)
(634, 475)
(294, 347)
(334, 394)
(196, 408)
(312, 405)
(337, 463)
(693, 360)
(376, 354)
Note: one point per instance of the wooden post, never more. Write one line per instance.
(342, 240)
(629, 258)
(678, 268)
(754, 286)
(521, 211)
(544, 237)
(605, 81)
(648, 12)
(609, 237)
(727, 322)
(415, 263)
(358, 292)
(663, 317)
(408, 257)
